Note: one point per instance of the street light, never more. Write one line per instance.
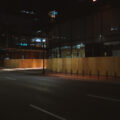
(43, 41)
(94, 0)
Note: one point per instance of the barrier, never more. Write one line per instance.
(26, 63)
(100, 66)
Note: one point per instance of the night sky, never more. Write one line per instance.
(14, 21)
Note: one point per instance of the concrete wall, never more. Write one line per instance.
(92, 65)
(27, 63)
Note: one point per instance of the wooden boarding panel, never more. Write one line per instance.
(87, 66)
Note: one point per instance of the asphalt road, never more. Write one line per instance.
(27, 95)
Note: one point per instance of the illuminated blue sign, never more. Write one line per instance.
(54, 13)
(23, 44)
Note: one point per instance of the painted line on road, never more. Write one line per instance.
(10, 78)
(104, 98)
(49, 113)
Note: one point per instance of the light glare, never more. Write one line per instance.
(44, 40)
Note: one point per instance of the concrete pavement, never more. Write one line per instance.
(27, 95)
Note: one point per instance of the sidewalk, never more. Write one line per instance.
(18, 69)
(85, 77)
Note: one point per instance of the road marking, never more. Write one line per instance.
(49, 113)
(104, 98)
(10, 78)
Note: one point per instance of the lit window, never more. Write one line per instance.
(27, 12)
(80, 45)
(113, 29)
(39, 31)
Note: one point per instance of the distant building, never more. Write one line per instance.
(19, 46)
(90, 35)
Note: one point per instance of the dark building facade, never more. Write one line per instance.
(90, 35)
